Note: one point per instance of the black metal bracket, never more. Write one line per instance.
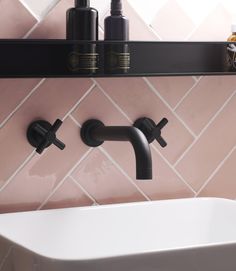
(41, 134)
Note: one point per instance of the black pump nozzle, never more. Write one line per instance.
(82, 3)
(116, 7)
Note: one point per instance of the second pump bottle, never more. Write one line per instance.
(82, 25)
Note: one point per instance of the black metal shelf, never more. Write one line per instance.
(52, 58)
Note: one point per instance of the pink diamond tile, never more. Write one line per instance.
(89, 110)
(54, 25)
(212, 147)
(172, 89)
(12, 92)
(15, 20)
(138, 29)
(17, 198)
(165, 182)
(100, 177)
(97, 106)
(137, 100)
(43, 173)
(53, 99)
(216, 27)
(205, 100)
(68, 195)
(222, 184)
(172, 22)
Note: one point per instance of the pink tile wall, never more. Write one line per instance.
(200, 157)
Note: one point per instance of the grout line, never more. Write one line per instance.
(169, 107)
(30, 10)
(31, 30)
(115, 163)
(75, 121)
(17, 171)
(32, 154)
(123, 172)
(216, 170)
(205, 128)
(101, 29)
(5, 257)
(149, 25)
(79, 101)
(113, 102)
(195, 78)
(49, 8)
(174, 169)
(66, 176)
(197, 25)
(195, 28)
(198, 79)
(123, 113)
(21, 103)
(154, 32)
(186, 95)
(44, 13)
(84, 190)
(192, 32)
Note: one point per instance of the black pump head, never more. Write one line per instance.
(116, 7)
(82, 3)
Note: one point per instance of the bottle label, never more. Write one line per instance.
(84, 59)
(118, 61)
(117, 58)
(232, 55)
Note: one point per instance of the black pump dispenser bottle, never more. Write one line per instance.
(82, 22)
(116, 28)
(116, 25)
(82, 25)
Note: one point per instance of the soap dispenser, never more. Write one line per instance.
(116, 25)
(116, 32)
(82, 25)
(82, 22)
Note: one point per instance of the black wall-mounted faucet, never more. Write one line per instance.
(41, 134)
(94, 133)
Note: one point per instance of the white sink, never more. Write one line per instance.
(172, 235)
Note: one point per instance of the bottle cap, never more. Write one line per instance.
(82, 3)
(116, 7)
(233, 28)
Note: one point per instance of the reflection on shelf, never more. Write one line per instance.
(117, 59)
(63, 58)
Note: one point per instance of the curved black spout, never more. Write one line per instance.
(94, 133)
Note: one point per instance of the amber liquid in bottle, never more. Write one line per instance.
(232, 51)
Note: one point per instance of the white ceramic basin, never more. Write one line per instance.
(173, 235)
